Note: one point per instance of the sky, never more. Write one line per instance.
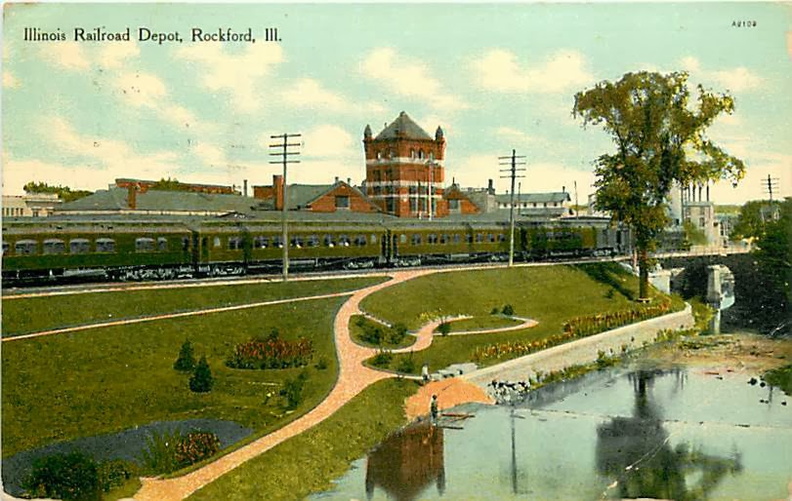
(495, 77)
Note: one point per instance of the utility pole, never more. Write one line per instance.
(283, 150)
(430, 191)
(513, 160)
(769, 184)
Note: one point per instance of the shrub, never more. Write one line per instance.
(321, 364)
(202, 380)
(115, 473)
(271, 353)
(167, 452)
(495, 311)
(444, 328)
(292, 390)
(508, 310)
(406, 365)
(71, 477)
(382, 359)
(186, 360)
(397, 333)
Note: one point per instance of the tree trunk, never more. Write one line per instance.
(643, 275)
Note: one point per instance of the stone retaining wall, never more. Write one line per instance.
(584, 350)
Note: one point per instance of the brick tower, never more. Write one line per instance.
(404, 169)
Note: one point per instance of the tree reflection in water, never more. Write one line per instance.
(636, 452)
(407, 462)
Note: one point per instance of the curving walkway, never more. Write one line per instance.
(353, 378)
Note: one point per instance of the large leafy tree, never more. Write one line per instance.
(659, 131)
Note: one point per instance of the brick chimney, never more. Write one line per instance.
(132, 196)
(277, 188)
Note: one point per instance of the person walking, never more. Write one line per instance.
(434, 410)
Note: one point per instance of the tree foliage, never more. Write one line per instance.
(64, 192)
(186, 360)
(660, 139)
(775, 259)
(752, 219)
(201, 381)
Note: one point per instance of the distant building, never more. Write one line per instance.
(405, 169)
(547, 205)
(339, 196)
(145, 185)
(30, 205)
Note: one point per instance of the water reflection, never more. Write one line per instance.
(407, 463)
(636, 452)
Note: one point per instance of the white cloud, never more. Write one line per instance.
(141, 89)
(410, 78)
(513, 135)
(329, 141)
(68, 55)
(309, 93)
(237, 74)
(115, 55)
(9, 81)
(734, 79)
(500, 70)
(751, 187)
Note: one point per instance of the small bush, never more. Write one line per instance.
(115, 473)
(202, 381)
(71, 477)
(495, 311)
(508, 310)
(168, 452)
(444, 328)
(382, 359)
(271, 353)
(186, 360)
(397, 333)
(292, 390)
(322, 363)
(406, 365)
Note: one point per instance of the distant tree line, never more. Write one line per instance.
(64, 192)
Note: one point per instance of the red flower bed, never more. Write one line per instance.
(196, 446)
(271, 354)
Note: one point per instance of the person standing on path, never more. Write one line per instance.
(433, 409)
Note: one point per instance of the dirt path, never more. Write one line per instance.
(353, 378)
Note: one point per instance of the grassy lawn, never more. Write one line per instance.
(551, 295)
(483, 323)
(26, 315)
(359, 325)
(105, 380)
(308, 462)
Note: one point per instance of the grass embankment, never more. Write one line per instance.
(550, 295)
(103, 380)
(25, 315)
(308, 462)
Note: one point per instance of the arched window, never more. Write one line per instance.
(25, 247)
(54, 246)
(144, 244)
(105, 245)
(79, 246)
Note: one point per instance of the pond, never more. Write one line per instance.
(127, 445)
(621, 433)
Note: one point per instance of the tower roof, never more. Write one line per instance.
(403, 127)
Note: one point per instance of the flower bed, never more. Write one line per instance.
(576, 328)
(273, 353)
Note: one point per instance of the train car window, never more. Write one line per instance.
(360, 240)
(432, 239)
(79, 246)
(312, 241)
(234, 243)
(490, 237)
(5, 247)
(403, 238)
(54, 246)
(277, 241)
(162, 243)
(297, 241)
(444, 239)
(105, 245)
(469, 238)
(456, 238)
(217, 242)
(416, 239)
(479, 238)
(328, 241)
(343, 241)
(260, 242)
(501, 237)
(25, 247)
(144, 244)
(185, 243)
(373, 239)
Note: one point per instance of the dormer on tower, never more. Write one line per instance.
(404, 169)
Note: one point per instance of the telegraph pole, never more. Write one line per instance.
(283, 150)
(769, 184)
(513, 174)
